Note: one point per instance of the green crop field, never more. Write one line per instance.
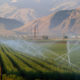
(51, 65)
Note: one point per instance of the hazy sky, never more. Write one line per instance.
(43, 7)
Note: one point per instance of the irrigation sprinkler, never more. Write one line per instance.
(68, 53)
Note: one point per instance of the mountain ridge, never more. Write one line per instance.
(60, 22)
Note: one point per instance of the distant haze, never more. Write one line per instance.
(43, 7)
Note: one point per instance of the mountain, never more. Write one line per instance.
(45, 7)
(58, 23)
(65, 5)
(5, 32)
(23, 15)
(7, 25)
(10, 24)
(28, 10)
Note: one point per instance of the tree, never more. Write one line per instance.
(65, 37)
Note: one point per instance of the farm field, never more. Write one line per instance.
(37, 61)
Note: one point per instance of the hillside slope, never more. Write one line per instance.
(59, 23)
